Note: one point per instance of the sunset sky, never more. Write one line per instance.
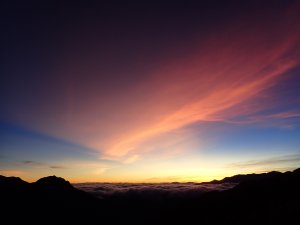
(149, 92)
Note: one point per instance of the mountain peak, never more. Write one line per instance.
(53, 182)
(12, 183)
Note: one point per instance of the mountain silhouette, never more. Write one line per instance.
(53, 183)
(246, 177)
(11, 183)
(269, 198)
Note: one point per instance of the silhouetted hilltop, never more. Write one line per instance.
(246, 177)
(50, 200)
(296, 171)
(266, 199)
(53, 183)
(12, 183)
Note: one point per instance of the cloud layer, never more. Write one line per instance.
(150, 190)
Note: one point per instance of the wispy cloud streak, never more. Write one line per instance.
(279, 160)
(203, 80)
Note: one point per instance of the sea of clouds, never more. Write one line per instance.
(151, 190)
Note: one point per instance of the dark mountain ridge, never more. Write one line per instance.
(269, 198)
(246, 177)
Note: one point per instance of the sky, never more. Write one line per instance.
(149, 91)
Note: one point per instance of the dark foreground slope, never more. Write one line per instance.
(271, 198)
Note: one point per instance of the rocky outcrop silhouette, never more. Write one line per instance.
(270, 198)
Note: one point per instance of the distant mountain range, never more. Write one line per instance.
(269, 198)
